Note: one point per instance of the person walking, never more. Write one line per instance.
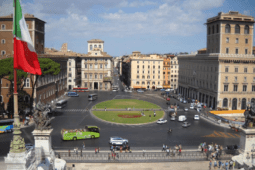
(210, 165)
(111, 148)
(163, 149)
(180, 151)
(69, 153)
(109, 156)
(226, 165)
(219, 164)
(98, 150)
(215, 164)
(95, 150)
(83, 146)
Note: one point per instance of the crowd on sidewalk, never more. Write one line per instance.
(176, 150)
(221, 164)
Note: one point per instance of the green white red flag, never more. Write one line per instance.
(25, 57)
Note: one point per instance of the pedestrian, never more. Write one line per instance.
(167, 150)
(174, 151)
(226, 165)
(114, 155)
(111, 148)
(234, 164)
(180, 151)
(83, 146)
(219, 163)
(95, 150)
(163, 149)
(109, 156)
(98, 150)
(215, 164)
(210, 165)
(81, 152)
(74, 150)
(105, 109)
(143, 152)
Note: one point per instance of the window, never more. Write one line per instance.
(225, 87)
(253, 88)
(226, 78)
(69, 69)
(158, 72)
(237, 29)
(148, 77)
(105, 65)
(227, 50)
(245, 79)
(137, 71)
(237, 40)
(95, 76)
(101, 76)
(90, 47)
(235, 87)
(158, 67)
(236, 70)
(95, 46)
(246, 41)
(254, 70)
(159, 83)
(158, 77)
(85, 84)
(137, 82)
(246, 29)
(27, 82)
(213, 29)
(86, 76)
(69, 63)
(235, 78)
(3, 52)
(245, 70)
(137, 76)
(95, 53)
(246, 51)
(3, 27)
(244, 87)
(90, 66)
(101, 65)
(225, 102)
(137, 66)
(227, 40)
(209, 31)
(86, 66)
(99, 46)
(137, 62)
(143, 82)
(153, 77)
(226, 69)
(236, 50)
(148, 72)
(69, 75)
(227, 28)
(3, 41)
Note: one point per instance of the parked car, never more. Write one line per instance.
(140, 91)
(196, 117)
(172, 118)
(162, 89)
(185, 124)
(161, 121)
(155, 89)
(186, 109)
(118, 141)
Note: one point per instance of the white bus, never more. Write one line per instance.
(60, 104)
(92, 97)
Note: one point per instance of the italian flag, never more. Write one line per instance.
(25, 57)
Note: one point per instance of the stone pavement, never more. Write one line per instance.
(203, 165)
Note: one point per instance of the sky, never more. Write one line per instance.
(148, 26)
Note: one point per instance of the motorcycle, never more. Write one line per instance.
(169, 131)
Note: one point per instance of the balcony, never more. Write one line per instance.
(107, 79)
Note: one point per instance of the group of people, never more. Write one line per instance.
(221, 165)
(215, 149)
(175, 150)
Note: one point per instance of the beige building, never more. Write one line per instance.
(146, 71)
(96, 67)
(174, 72)
(224, 77)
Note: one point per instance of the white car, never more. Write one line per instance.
(168, 90)
(191, 107)
(172, 118)
(161, 121)
(182, 118)
(186, 109)
(117, 140)
(196, 117)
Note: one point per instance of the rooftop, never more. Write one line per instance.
(95, 41)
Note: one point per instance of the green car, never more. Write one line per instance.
(74, 134)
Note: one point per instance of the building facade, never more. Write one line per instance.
(96, 67)
(166, 72)
(146, 71)
(174, 72)
(224, 79)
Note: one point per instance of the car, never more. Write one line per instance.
(186, 109)
(128, 91)
(184, 101)
(163, 93)
(171, 109)
(180, 99)
(171, 96)
(168, 99)
(140, 91)
(172, 118)
(155, 89)
(168, 103)
(162, 89)
(182, 118)
(161, 121)
(29, 146)
(185, 124)
(196, 117)
(191, 107)
(168, 90)
(115, 140)
(72, 94)
(193, 100)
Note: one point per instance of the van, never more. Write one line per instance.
(182, 118)
(72, 94)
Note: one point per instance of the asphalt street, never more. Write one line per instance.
(150, 136)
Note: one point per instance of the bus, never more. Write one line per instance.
(61, 103)
(92, 97)
(89, 132)
(6, 126)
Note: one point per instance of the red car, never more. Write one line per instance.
(168, 99)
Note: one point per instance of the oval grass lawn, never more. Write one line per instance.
(126, 103)
(112, 116)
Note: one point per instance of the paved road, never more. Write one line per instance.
(150, 136)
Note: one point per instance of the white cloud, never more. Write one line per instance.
(6, 7)
(202, 4)
(125, 3)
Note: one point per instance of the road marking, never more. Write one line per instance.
(238, 135)
(224, 135)
(231, 135)
(216, 134)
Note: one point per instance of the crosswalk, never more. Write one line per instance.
(217, 134)
(74, 110)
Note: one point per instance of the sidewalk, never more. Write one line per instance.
(203, 165)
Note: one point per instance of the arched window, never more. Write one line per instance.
(3, 52)
(227, 28)
(225, 102)
(243, 103)
(253, 100)
(3, 41)
(217, 28)
(95, 46)
(234, 104)
(237, 29)
(213, 29)
(3, 27)
(246, 29)
(209, 31)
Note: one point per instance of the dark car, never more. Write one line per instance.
(155, 89)
(171, 96)
(163, 93)
(168, 103)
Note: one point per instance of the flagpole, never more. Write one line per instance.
(18, 143)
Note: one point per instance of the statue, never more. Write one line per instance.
(41, 118)
(249, 115)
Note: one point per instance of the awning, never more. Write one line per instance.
(160, 87)
(166, 86)
(139, 87)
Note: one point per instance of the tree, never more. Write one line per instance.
(7, 72)
(48, 67)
